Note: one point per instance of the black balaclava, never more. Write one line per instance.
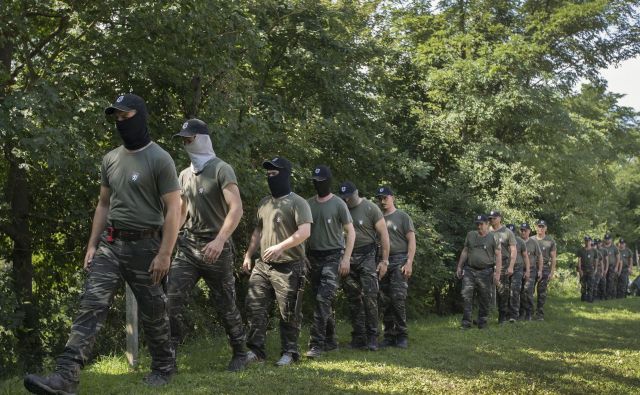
(133, 131)
(322, 187)
(280, 185)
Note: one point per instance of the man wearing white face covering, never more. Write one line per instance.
(211, 211)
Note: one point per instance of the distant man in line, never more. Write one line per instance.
(587, 260)
(329, 255)
(521, 271)
(601, 284)
(211, 211)
(613, 256)
(507, 241)
(479, 268)
(393, 287)
(283, 224)
(361, 285)
(132, 237)
(535, 272)
(626, 269)
(549, 251)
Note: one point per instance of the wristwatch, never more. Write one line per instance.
(386, 262)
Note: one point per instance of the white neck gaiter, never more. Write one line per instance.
(200, 151)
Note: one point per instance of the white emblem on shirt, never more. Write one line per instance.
(329, 220)
(134, 176)
(360, 221)
(278, 219)
(201, 190)
(395, 227)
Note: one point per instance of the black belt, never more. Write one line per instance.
(131, 235)
(324, 253)
(365, 249)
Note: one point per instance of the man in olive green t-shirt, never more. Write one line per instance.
(626, 267)
(211, 211)
(329, 256)
(549, 251)
(521, 271)
(613, 256)
(507, 241)
(283, 224)
(132, 237)
(393, 287)
(535, 272)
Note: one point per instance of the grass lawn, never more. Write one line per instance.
(579, 349)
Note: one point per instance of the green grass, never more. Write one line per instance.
(579, 349)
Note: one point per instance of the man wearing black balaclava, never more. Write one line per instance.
(283, 224)
(134, 230)
(329, 256)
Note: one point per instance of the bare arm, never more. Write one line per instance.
(160, 265)
(214, 248)
(498, 269)
(251, 249)
(407, 269)
(98, 224)
(527, 264)
(297, 238)
(553, 263)
(461, 261)
(383, 233)
(183, 212)
(345, 265)
(512, 259)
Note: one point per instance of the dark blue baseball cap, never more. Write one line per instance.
(384, 191)
(321, 173)
(277, 163)
(347, 189)
(127, 102)
(480, 218)
(192, 127)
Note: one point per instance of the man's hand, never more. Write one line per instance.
(159, 268)
(247, 265)
(407, 269)
(510, 271)
(272, 253)
(345, 266)
(539, 274)
(459, 272)
(211, 252)
(496, 278)
(382, 269)
(88, 257)
(527, 274)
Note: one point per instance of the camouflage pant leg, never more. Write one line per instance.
(588, 279)
(183, 276)
(502, 293)
(543, 283)
(324, 284)
(393, 293)
(623, 284)
(282, 281)
(612, 284)
(528, 290)
(102, 281)
(361, 288)
(515, 287)
(480, 281)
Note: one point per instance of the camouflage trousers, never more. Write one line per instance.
(612, 283)
(187, 268)
(284, 283)
(112, 264)
(543, 283)
(503, 292)
(361, 288)
(515, 288)
(324, 279)
(600, 286)
(477, 281)
(623, 284)
(527, 294)
(586, 285)
(393, 297)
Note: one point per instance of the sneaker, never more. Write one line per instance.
(402, 342)
(388, 342)
(373, 343)
(53, 384)
(285, 360)
(157, 379)
(314, 352)
(252, 357)
(238, 362)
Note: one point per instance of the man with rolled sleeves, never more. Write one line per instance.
(587, 261)
(507, 241)
(521, 270)
(535, 272)
(329, 255)
(626, 268)
(613, 256)
(601, 274)
(283, 224)
(549, 251)
(361, 285)
(393, 287)
(479, 268)
(211, 211)
(132, 237)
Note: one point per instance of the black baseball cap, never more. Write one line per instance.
(525, 225)
(480, 218)
(126, 102)
(607, 236)
(622, 241)
(587, 238)
(321, 173)
(192, 127)
(597, 240)
(495, 214)
(511, 227)
(541, 222)
(277, 163)
(384, 191)
(347, 189)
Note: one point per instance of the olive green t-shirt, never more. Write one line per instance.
(533, 249)
(278, 219)
(329, 217)
(481, 249)
(612, 254)
(206, 205)
(398, 225)
(603, 255)
(547, 244)
(365, 215)
(137, 181)
(626, 256)
(588, 258)
(506, 239)
(521, 249)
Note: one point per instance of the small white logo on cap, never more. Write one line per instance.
(119, 99)
(274, 159)
(381, 189)
(184, 125)
(343, 189)
(317, 171)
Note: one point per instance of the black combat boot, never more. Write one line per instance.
(53, 384)
(372, 345)
(238, 361)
